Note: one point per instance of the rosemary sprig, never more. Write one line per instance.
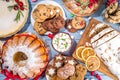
(10, 8)
(18, 16)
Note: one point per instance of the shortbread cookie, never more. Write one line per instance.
(38, 28)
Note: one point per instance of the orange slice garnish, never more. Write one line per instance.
(79, 51)
(92, 63)
(86, 52)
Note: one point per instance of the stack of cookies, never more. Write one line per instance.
(73, 25)
(65, 68)
(112, 13)
(43, 13)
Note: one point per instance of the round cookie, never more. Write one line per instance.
(35, 16)
(59, 22)
(38, 28)
(69, 27)
(78, 23)
(52, 28)
(58, 11)
(52, 10)
(44, 11)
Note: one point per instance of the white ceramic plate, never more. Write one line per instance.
(47, 2)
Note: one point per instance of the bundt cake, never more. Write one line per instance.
(24, 55)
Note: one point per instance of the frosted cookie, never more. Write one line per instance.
(51, 70)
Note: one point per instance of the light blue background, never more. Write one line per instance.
(29, 28)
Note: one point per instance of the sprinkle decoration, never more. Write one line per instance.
(72, 15)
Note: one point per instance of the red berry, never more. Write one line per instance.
(92, 73)
(77, 3)
(17, 1)
(98, 76)
(34, 0)
(7, 0)
(16, 7)
(20, 4)
(50, 36)
(90, 5)
(22, 8)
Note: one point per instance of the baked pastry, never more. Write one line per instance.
(112, 13)
(82, 7)
(80, 72)
(12, 16)
(54, 25)
(107, 47)
(70, 69)
(25, 55)
(66, 71)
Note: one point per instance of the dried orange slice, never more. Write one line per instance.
(86, 52)
(92, 63)
(79, 51)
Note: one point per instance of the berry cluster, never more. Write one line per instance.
(91, 2)
(19, 6)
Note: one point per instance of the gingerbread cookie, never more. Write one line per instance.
(38, 28)
(78, 23)
(79, 73)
